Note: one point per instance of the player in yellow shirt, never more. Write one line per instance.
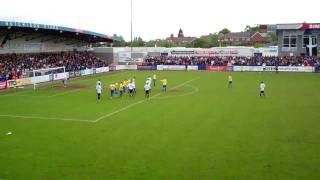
(128, 82)
(112, 90)
(121, 89)
(116, 86)
(154, 79)
(164, 84)
(125, 86)
(230, 81)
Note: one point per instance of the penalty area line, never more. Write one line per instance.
(195, 90)
(141, 101)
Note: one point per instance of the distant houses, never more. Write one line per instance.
(180, 39)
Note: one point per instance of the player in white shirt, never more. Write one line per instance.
(99, 82)
(262, 88)
(130, 88)
(149, 80)
(99, 90)
(264, 66)
(134, 86)
(147, 89)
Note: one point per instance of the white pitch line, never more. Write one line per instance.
(139, 102)
(39, 96)
(46, 118)
(97, 77)
(21, 95)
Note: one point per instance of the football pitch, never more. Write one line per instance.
(199, 129)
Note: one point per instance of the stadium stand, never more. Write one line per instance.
(28, 46)
(13, 66)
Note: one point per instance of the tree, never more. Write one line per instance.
(119, 41)
(214, 40)
(251, 30)
(200, 43)
(151, 43)
(224, 31)
(138, 42)
(272, 37)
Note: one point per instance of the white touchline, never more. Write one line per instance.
(139, 102)
(48, 118)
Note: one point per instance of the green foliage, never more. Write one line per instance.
(120, 43)
(151, 43)
(272, 37)
(251, 30)
(224, 31)
(200, 43)
(138, 42)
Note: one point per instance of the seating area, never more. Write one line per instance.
(223, 61)
(13, 66)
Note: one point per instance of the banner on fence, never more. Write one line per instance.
(273, 68)
(150, 67)
(126, 67)
(201, 67)
(3, 85)
(23, 82)
(102, 70)
(11, 84)
(87, 72)
(160, 67)
(247, 68)
(295, 69)
(60, 76)
(192, 68)
(217, 68)
(171, 67)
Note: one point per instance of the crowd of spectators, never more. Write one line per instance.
(14, 65)
(224, 61)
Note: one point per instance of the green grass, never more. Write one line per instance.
(201, 130)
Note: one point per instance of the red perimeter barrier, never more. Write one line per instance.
(217, 68)
(3, 85)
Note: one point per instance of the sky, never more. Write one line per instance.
(157, 19)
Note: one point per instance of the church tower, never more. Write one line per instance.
(180, 35)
